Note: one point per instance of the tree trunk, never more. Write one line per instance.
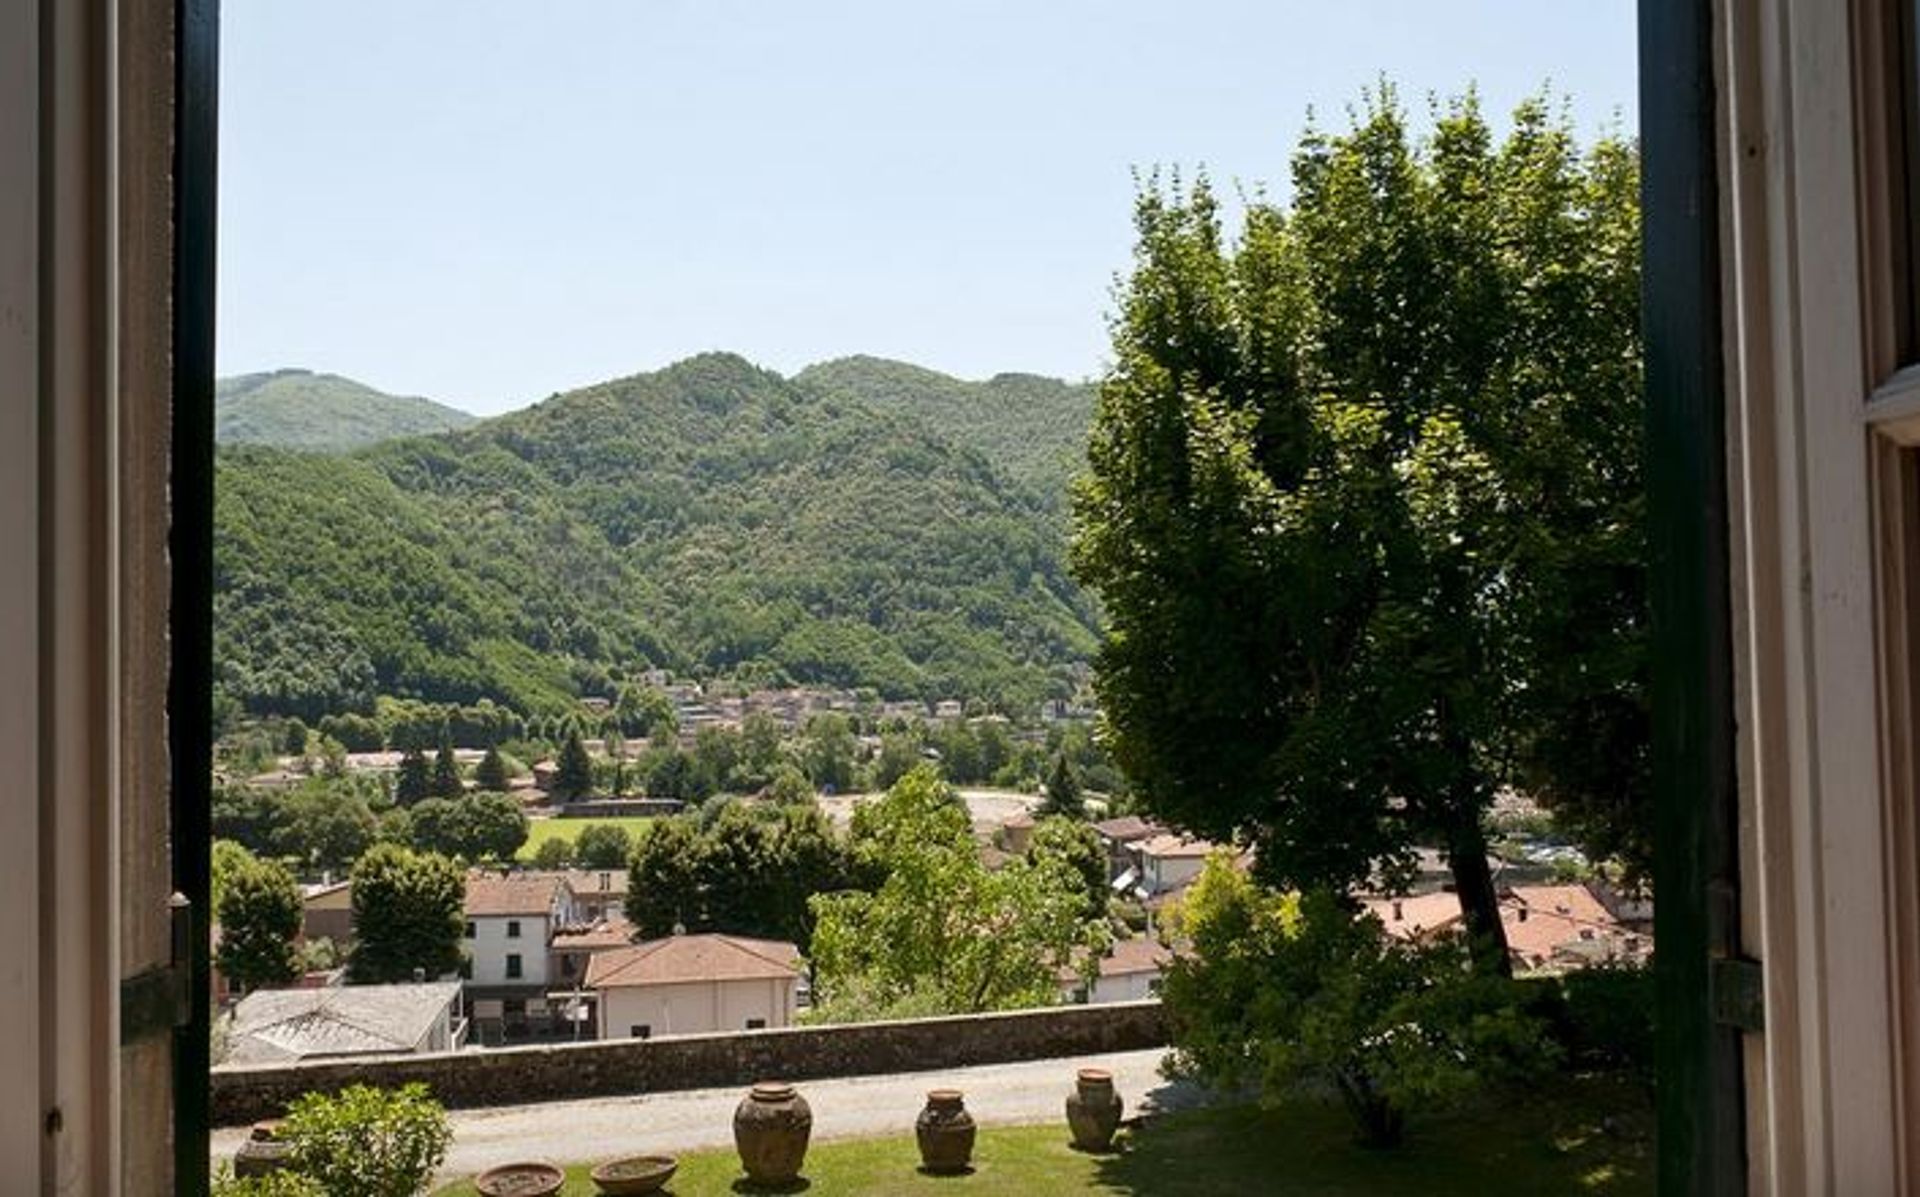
(1479, 902)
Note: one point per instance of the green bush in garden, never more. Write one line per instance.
(283, 1183)
(368, 1142)
(1294, 995)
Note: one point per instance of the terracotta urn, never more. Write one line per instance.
(520, 1180)
(770, 1130)
(1093, 1110)
(945, 1131)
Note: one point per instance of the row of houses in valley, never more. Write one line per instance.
(547, 955)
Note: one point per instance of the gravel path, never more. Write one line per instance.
(849, 1107)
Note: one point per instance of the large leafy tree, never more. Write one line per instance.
(490, 775)
(1363, 504)
(1074, 843)
(471, 827)
(408, 914)
(603, 846)
(942, 933)
(663, 883)
(259, 915)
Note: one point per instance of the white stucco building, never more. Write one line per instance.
(694, 984)
(1129, 972)
(1168, 862)
(511, 921)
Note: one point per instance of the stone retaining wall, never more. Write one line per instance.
(562, 1072)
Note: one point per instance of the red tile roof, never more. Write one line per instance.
(679, 959)
(595, 937)
(1541, 922)
(1168, 846)
(496, 894)
(1126, 828)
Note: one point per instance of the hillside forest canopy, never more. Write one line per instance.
(713, 519)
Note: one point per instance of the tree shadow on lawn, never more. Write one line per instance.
(1586, 1136)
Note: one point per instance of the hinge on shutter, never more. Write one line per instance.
(1738, 992)
(158, 1000)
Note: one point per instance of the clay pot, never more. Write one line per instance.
(260, 1155)
(770, 1130)
(945, 1131)
(1093, 1110)
(634, 1174)
(520, 1180)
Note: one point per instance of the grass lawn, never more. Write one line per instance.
(1586, 1136)
(540, 830)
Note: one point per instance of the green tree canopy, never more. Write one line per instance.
(790, 787)
(415, 780)
(942, 933)
(1363, 506)
(490, 775)
(1062, 798)
(663, 886)
(573, 770)
(445, 782)
(1075, 844)
(408, 914)
(1295, 995)
(259, 917)
(829, 751)
(603, 846)
(472, 827)
(554, 852)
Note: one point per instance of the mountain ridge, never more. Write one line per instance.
(297, 408)
(713, 517)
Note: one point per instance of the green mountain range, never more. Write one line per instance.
(713, 517)
(1033, 428)
(298, 409)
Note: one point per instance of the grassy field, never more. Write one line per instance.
(540, 830)
(1585, 1137)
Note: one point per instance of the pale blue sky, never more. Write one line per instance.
(486, 201)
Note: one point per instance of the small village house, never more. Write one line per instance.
(598, 894)
(1130, 971)
(283, 1025)
(694, 984)
(1117, 837)
(511, 921)
(326, 912)
(1169, 862)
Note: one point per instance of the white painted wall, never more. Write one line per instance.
(697, 1008)
(1132, 987)
(1163, 873)
(490, 946)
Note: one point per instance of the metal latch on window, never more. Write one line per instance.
(159, 1000)
(1738, 992)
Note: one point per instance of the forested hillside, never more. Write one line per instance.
(712, 517)
(1034, 429)
(298, 409)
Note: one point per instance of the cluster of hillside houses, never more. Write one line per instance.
(550, 955)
